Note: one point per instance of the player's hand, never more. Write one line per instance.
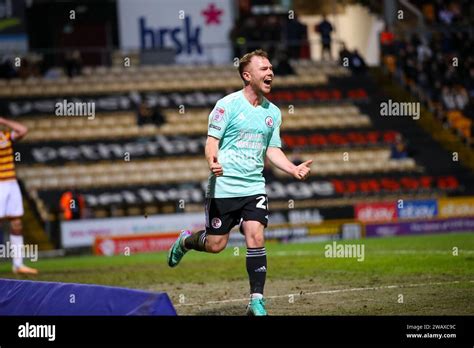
(302, 171)
(216, 167)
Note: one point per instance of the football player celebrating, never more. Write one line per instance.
(244, 128)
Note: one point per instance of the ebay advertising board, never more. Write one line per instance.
(375, 212)
(420, 227)
(392, 211)
(417, 209)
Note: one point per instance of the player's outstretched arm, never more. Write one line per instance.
(279, 160)
(18, 129)
(212, 147)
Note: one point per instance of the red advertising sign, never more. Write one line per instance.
(133, 244)
(374, 212)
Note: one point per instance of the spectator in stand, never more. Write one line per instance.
(53, 73)
(422, 78)
(269, 33)
(469, 81)
(25, 69)
(423, 51)
(447, 97)
(147, 115)
(435, 89)
(144, 114)
(353, 60)
(429, 12)
(386, 41)
(296, 35)
(73, 63)
(410, 70)
(158, 117)
(399, 148)
(454, 98)
(282, 66)
(251, 33)
(445, 11)
(445, 15)
(456, 10)
(357, 63)
(236, 37)
(344, 56)
(72, 205)
(461, 98)
(7, 70)
(324, 28)
(441, 68)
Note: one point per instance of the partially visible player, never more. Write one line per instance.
(244, 129)
(11, 202)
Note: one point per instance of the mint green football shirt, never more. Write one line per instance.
(245, 133)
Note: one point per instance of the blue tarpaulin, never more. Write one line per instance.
(23, 297)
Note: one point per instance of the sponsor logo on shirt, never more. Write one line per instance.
(250, 140)
(215, 127)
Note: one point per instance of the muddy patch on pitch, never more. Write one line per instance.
(231, 298)
(317, 297)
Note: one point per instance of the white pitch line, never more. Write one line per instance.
(407, 251)
(335, 291)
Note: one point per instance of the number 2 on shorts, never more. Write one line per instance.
(261, 202)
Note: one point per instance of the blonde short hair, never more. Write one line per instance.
(245, 60)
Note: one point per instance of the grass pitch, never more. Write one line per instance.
(415, 275)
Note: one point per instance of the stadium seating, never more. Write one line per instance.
(179, 170)
(102, 80)
(338, 134)
(193, 121)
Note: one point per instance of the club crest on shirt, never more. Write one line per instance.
(218, 114)
(216, 223)
(269, 121)
(3, 140)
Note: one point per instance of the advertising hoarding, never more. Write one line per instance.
(197, 30)
(81, 233)
(420, 227)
